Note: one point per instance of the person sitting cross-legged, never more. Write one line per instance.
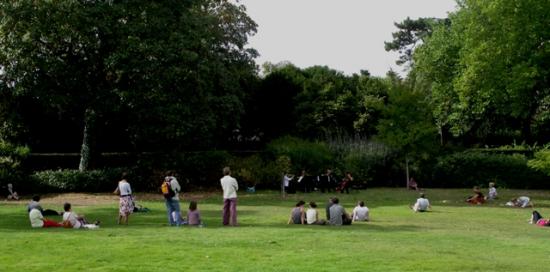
(360, 212)
(338, 215)
(38, 221)
(422, 204)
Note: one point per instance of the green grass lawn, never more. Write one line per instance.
(454, 237)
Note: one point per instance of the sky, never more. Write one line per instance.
(346, 35)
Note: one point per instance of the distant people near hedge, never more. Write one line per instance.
(492, 194)
(360, 212)
(412, 185)
(338, 215)
(75, 221)
(193, 215)
(12, 194)
(477, 198)
(38, 221)
(422, 204)
(35, 204)
(303, 182)
(171, 189)
(126, 202)
(298, 215)
(287, 183)
(537, 219)
(312, 215)
(229, 187)
(520, 202)
(327, 182)
(345, 183)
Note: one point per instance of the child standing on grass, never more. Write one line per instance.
(492, 191)
(193, 215)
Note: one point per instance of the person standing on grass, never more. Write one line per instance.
(229, 187)
(360, 212)
(422, 204)
(38, 221)
(126, 202)
(297, 215)
(338, 215)
(173, 203)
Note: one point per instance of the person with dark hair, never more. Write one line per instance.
(537, 219)
(338, 215)
(297, 215)
(520, 202)
(327, 181)
(38, 221)
(173, 203)
(360, 212)
(229, 187)
(73, 220)
(312, 216)
(303, 182)
(193, 215)
(327, 207)
(35, 204)
(478, 197)
(422, 204)
(126, 202)
(346, 183)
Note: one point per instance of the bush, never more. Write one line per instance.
(69, 180)
(201, 169)
(541, 162)
(367, 168)
(257, 171)
(11, 158)
(467, 169)
(314, 157)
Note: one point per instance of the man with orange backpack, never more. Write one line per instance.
(170, 189)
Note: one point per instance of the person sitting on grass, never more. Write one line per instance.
(520, 202)
(412, 184)
(338, 215)
(193, 215)
(492, 191)
(312, 216)
(297, 215)
(327, 207)
(75, 221)
(422, 204)
(360, 212)
(38, 221)
(537, 219)
(35, 204)
(12, 194)
(478, 197)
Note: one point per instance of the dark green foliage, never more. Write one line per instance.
(314, 157)
(11, 158)
(69, 180)
(467, 169)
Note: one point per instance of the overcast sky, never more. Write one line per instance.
(346, 35)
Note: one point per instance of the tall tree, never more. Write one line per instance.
(176, 66)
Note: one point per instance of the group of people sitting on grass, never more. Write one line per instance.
(478, 198)
(70, 218)
(336, 215)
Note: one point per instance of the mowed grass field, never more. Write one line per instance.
(454, 237)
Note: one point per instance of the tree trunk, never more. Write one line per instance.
(407, 170)
(87, 140)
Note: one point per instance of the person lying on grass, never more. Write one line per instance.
(75, 221)
(297, 215)
(536, 218)
(520, 202)
(312, 216)
(38, 221)
(422, 204)
(35, 204)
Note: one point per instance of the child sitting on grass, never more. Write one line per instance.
(492, 191)
(193, 215)
(75, 221)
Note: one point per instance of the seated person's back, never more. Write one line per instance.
(361, 212)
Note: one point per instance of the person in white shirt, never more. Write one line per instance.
(126, 202)
(361, 212)
(522, 202)
(229, 187)
(73, 220)
(422, 204)
(312, 216)
(38, 221)
(173, 204)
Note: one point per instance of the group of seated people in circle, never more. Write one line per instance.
(336, 215)
(70, 218)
